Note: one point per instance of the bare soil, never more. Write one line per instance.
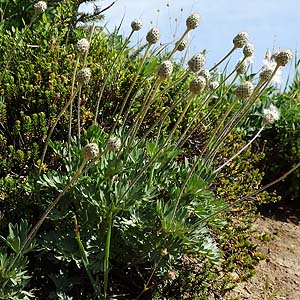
(278, 276)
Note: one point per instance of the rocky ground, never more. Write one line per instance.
(278, 276)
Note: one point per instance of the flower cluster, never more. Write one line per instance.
(90, 151)
(82, 45)
(40, 7)
(271, 114)
(84, 76)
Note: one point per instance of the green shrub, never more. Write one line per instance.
(137, 217)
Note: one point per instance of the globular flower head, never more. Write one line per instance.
(114, 144)
(244, 90)
(248, 50)
(153, 35)
(197, 85)
(271, 114)
(40, 7)
(240, 40)
(136, 24)
(205, 73)
(269, 65)
(84, 76)
(165, 69)
(197, 62)
(181, 45)
(213, 85)
(192, 21)
(242, 67)
(82, 45)
(283, 57)
(266, 73)
(90, 151)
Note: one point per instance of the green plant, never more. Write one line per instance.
(130, 215)
(14, 275)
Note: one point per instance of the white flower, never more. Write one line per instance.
(83, 45)
(40, 7)
(114, 144)
(269, 63)
(271, 114)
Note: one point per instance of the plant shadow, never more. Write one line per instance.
(284, 210)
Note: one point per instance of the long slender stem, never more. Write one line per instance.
(143, 112)
(54, 125)
(35, 229)
(177, 43)
(240, 151)
(78, 116)
(71, 108)
(107, 77)
(142, 171)
(223, 59)
(161, 119)
(85, 259)
(249, 196)
(188, 177)
(131, 87)
(216, 130)
(146, 286)
(107, 252)
(185, 136)
(240, 114)
(79, 93)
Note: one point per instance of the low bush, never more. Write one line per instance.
(126, 170)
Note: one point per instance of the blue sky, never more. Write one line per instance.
(270, 23)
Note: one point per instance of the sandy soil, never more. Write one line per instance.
(278, 276)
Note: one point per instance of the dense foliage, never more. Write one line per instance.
(108, 181)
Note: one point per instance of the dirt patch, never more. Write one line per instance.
(278, 276)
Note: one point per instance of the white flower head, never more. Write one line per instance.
(271, 114)
(40, 7)
(114, 144)
(270, 64)
(83, 45)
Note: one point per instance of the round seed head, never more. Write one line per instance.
(83, 45)
(271, 114)
(242, 67)
(205, 73)
(90, 151)
(192, 21)
(114, 143)
(283, 57)
(213, 85)
(197, 85)
(84, 76)
(136, 24)
(240, 40)
(40, 7)
(248, 50)
(266, 73)
(196, 62)
(153, 35)
(165, 69)
(181, 45)
(244, 90)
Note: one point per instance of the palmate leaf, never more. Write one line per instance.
(13, 281)
(17, 236)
